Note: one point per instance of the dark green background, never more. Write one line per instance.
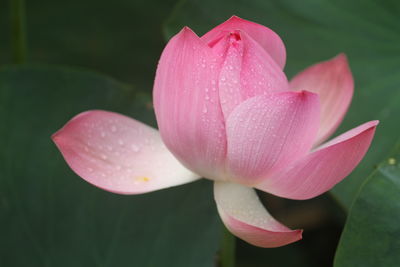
(50, 217)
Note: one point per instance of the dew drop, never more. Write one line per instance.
(135, 148)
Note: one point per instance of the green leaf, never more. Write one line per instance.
(371, 235)
(51, 217)
(123, 39)
(367, 31)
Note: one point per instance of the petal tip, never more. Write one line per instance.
(187, 32)
(341, 60)
(55, 137)
(58, 138)
(261, 237)
(305, 95)
(375, 122)
(236, 18)
(341, 56)
(299, 233)
(369, 126)
(185, 35)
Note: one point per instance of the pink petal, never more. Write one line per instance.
(268, 39)
(247, 71)
(119, 154)
(319, 171)
(245, 216)
(333, 82)
(266, 133)
(187, 106)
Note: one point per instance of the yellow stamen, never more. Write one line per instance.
(142, 179)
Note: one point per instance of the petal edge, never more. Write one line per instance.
(322, 169)
(245, 216)
(267, 38)
(333, 82)
(119, 154)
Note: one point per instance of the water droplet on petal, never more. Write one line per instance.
(135, 148)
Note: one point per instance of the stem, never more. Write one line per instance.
(227, 249)
(17, 10)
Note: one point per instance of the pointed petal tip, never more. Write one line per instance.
(333, 161)
(59, 139)
(341, 56)
(110, 151)
(185, 36)
(371, 125)
(333, 81)
(246, 217)
(341, 60)
(260, 237)
(375, 122)
(236, 18)
(305, 94)
(297, 235)
(265, 37)
(54, 137)
(247, 157)
(187, 32)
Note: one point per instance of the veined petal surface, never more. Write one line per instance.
(119, 154)
(319, 171)
(265, 133)
(333, 82)
(186, 103)
(247, 70)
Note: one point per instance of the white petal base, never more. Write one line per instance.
(245, 216)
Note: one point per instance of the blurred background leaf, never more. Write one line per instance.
(371, 235)
(51, 217)
(123, 39)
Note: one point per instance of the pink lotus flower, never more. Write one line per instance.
(226, 111)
